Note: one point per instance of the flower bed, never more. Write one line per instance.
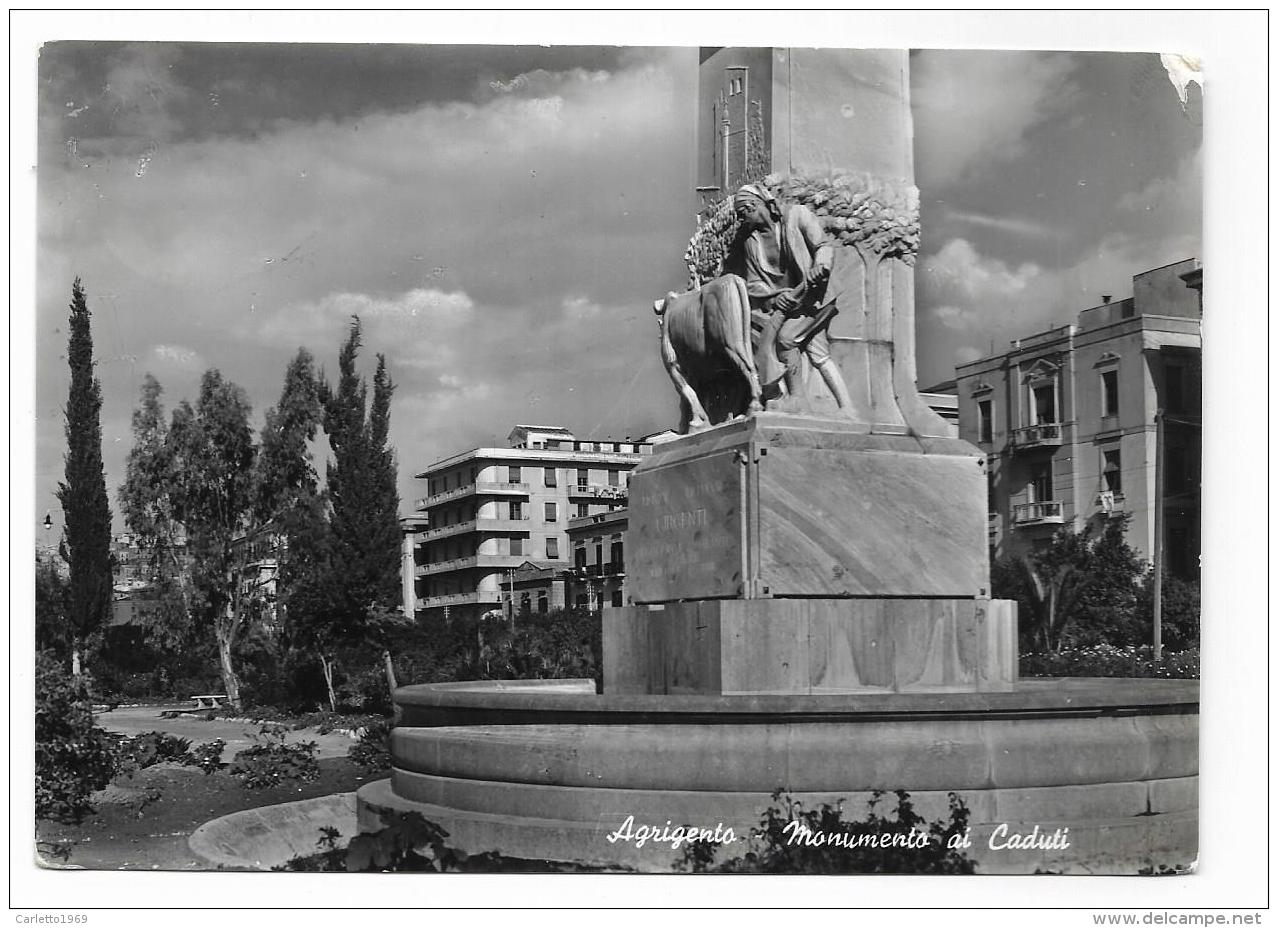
(1107, 660)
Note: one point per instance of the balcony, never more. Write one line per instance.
(490, 561)
(459, 599)
(609, 569)
(1049, 512)
(481, 487)
(993, 520)
(477, 525)
(597, 491)
(1043, 435)
(443, 567)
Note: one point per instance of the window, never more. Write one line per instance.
(517, 547)
(615, 555)
(616, 597)
(1044, 400)
(543, 602)
(515, 475)
(525, 603)
(614, 478)
(1109, 393)
(1112, 471)
(1040, 486)
(583, 477)
(552, 512)
(985, 421)
(550, 476)
(552, 549)
(583, 510)
(517, 511)
(579, 556)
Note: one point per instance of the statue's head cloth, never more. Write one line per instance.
(760, 193)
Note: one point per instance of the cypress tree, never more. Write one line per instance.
(385, 515)
(87, 544)
(363, 553)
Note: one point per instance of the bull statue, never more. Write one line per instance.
(706, 349)
(762, 325)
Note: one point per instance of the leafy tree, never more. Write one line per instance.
(212, 491)
(1181, 613)
(1108, 610)
(147, 502)
(87, 545)
(1083, 587)
(361, 583)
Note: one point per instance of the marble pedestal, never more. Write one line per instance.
(811, 646)
(780, 505)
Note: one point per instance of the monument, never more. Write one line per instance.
(838, 545)
(807, 568)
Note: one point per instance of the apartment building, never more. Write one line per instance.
(1076, 419)
(598, 574)
(492, 512)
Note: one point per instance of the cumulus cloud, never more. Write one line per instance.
(971, 304)
(419, 319)
(176, 356)
(975, 109)
(499, 248)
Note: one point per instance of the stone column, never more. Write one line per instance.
(831, 129)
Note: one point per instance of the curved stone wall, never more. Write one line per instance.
(1115, 762)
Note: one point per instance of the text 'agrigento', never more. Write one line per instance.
(679, 521)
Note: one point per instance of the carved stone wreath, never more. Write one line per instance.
(855, 209)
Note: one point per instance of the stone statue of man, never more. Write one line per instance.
(785, 256)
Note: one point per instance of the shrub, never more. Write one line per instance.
(1107, 660)
(407, 842)
(371, 753)
(150, 748)
(208, 757)
(272, 761)
(73, 757)
(1181, 610)
(365, 690)
(792, 840)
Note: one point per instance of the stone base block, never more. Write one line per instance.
(811, 646)
(779, 506)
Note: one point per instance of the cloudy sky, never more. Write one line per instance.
(501, 219)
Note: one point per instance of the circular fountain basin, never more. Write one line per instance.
(550, 770)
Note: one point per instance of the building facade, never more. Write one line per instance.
(1076, 419)
(598, 575)
(491, 512)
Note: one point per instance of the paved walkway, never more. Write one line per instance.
(237, 735)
